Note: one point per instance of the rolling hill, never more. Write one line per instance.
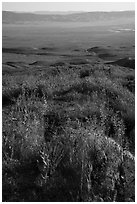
(125, 16)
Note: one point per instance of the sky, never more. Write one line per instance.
(67, 6)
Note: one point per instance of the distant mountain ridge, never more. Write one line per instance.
(13, 17)
(56, 12)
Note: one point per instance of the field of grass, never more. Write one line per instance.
(68, 122)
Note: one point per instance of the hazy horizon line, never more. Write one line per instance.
(66, 11)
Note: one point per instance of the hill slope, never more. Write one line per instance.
(12, 17)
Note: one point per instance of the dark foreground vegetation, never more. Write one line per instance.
(68, 134)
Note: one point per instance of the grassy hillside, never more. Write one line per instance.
(68, 133)
(68, 102)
